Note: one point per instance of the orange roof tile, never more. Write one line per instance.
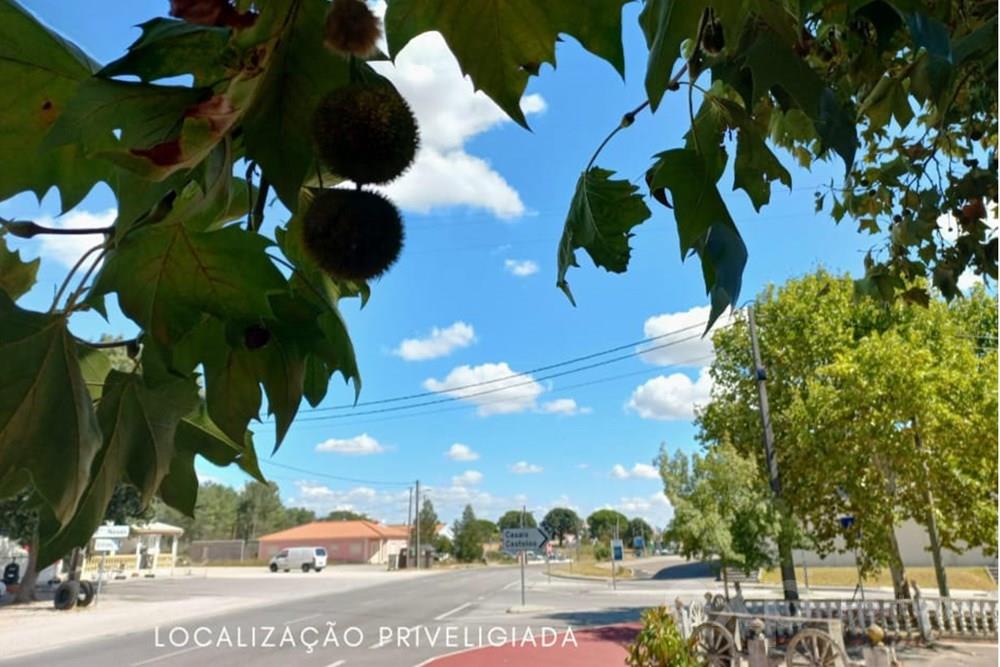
(338, 530)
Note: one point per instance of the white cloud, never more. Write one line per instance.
(439, 343)
(968, 280)
(450, 113)
(525, 468)
(505, 396)
(460, 452)
(520, 267)
(467, 478)
(67, 249)
(654, 508)
(360, 445)
(638, 471)
(695, 348)
(564, 406)
(671, 397)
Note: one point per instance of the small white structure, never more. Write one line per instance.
(150, 551)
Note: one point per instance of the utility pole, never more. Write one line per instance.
(416, 512)
(760, 374)
(409, 527)
(524, 555)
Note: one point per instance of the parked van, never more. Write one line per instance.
(304, 558)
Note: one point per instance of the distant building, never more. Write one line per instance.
(344, 541)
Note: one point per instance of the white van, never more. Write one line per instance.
(304, 558)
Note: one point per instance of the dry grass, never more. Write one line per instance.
(592, 569)
(959, 578)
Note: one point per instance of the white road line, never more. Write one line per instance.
(379, 644)
(166, 655)
(453, 611)
(299, 620)
(336, 664)
(511, 585)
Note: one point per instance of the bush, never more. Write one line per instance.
(659, 643)
(602, 551)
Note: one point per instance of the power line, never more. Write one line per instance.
(338, 478)
(514, 376)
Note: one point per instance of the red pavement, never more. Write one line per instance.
(596, 647)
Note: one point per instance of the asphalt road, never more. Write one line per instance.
(391, 623)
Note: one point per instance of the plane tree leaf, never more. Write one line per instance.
(665, 24)
(138, 426)
(600, 220)
(500, 44)
(39, 73)
(48, 426)
(169, 47)
(16, 275)
(166, 276)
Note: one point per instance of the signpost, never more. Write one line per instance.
(518, 542)
(106, 540)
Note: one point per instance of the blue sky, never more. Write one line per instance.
(485, 204)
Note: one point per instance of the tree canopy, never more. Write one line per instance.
(230, 310)
(516, 519)
(560, 522)
(602, 524)
(873, 407)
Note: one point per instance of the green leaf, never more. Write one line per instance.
(933, 71)
(94, 366)
(277, 126)
(756, 166)
(703, 224)
(600, 220)
(666, 23)
(775, 65)
(16, 276)
(47, 422)
(500, 44)
(138, 426)
(166, 276)
(170, 47)
(39, 73)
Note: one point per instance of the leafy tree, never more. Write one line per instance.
(516, 519)
(297, 516)
(863, 371)
(468, 537)
(443, 545)
(428, 522)
(487, 530)
(259, 511)
(346, 515)
(210, 287)
(560, 522)
(602, 524)
(638, 527)
(722, 507)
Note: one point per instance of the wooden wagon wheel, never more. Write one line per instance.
(814, 648)
(714, 645)
(696, 613)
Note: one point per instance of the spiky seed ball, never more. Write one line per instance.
(353, 234)
(351, 28)
(365, 132)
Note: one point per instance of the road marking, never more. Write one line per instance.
(510, 585)
(481, 597)
(453, 611)
(336, 664)
(299, 620)
(167, 655)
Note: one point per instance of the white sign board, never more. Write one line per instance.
(112, 532)
(105, 545)
(516, 540)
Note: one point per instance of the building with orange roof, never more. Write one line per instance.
(344, 541)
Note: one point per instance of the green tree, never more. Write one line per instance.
(297, 516)
(259, 510)
(638, 527)
(487, 530)
(467, 537)
(832, 358)
(516, 519)
(602, 524)
(230, 310)
(346, 515)
(560, 522)
(722, 507)
(428, 522)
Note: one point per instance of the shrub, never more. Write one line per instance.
(659, 643)
(602, 551)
